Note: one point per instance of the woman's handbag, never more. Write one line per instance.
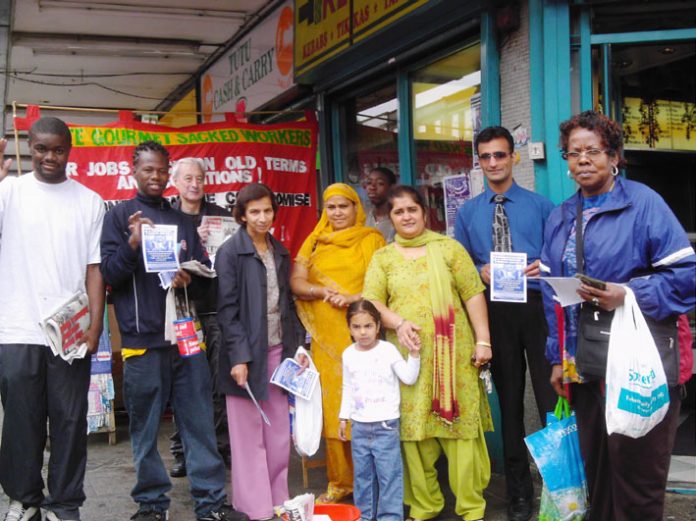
(594, 330)
(636, 385)
(594, 324)
(556, 451)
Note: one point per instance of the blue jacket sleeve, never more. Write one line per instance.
(670, 289)
(553, 352)
(118, 260)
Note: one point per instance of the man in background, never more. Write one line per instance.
(380, 180)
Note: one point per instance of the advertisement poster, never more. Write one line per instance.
(457, 191)
(475, 124)
(253, 72)
(658, 124)
(281, 155)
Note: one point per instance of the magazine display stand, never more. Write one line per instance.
(100, 415)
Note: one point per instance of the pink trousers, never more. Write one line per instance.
(260, 453)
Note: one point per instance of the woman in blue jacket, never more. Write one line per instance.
(629, 237)
(259, 329)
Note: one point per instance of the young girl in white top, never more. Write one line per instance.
(371, 402)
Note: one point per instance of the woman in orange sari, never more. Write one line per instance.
(327, 277)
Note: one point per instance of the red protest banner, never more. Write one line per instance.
(281, 155)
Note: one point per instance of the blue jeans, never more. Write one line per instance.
(378, 485)
(149, 382)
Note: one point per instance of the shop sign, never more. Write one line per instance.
(253, 72)
(659, 124)
(323, 28)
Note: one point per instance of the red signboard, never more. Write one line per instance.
(283, 156)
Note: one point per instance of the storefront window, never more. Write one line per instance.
(370, 130)
(446, 114)
(653, 94)
(647, 15)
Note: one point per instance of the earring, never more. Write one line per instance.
(614, 170)
(569, 174)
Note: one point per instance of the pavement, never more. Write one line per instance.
(110, 476)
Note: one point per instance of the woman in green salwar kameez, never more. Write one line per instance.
(429, 292)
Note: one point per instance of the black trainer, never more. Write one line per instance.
(178, 470)
(519, 509)
(224, 513)
(150, 515)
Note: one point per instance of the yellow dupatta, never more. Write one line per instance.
(339, 260)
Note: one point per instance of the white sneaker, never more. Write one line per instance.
(19, 512)
(52, 516)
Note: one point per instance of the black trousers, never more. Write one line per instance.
(213, 338)
(626, 477)
(36, 386)
(518, 330)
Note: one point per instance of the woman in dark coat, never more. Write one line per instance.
(259, 329)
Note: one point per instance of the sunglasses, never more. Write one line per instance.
(498, 155)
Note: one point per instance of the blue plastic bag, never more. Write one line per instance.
(556, 451)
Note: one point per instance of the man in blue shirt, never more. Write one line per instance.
(517, 225)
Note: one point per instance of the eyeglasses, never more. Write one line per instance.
(498, 155)
(590, 153)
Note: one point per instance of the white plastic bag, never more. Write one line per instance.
(308, 419)
(637, 392)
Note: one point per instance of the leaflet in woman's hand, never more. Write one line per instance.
(289, 376)
(565, 288)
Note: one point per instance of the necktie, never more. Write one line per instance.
(501, 227)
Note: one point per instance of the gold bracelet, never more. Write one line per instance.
(400, 324)
(482, 343)
(311, 291)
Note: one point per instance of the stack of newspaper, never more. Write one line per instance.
(66, 325)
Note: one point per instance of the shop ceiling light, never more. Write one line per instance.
(110, 46)
(161, 11)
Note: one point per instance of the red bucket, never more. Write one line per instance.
(338, 512)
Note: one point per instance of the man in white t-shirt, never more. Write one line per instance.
(50, 227)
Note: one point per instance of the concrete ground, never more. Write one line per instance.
(110, 476)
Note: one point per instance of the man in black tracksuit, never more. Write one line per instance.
(154, 372)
